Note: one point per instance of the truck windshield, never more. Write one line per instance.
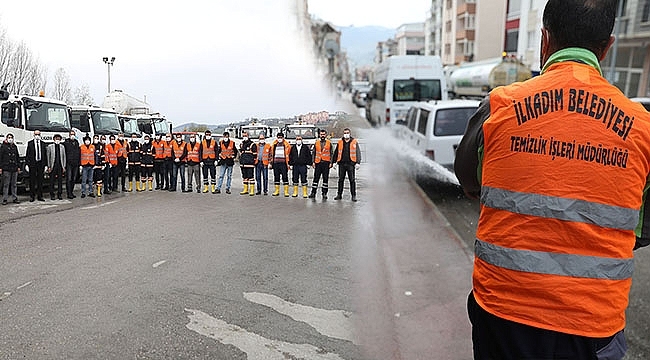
(254, 133)
(305, 132)
(47, 117)
(160, 126)
(416, 90)
(105, 123)
(131, 127)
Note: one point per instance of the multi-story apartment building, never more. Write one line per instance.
(433, 29)
(410, 39)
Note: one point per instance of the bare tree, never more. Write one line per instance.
(82, 96)
(18, 67)
(62, 90)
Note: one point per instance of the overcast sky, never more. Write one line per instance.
(194, 60)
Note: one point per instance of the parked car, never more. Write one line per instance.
(436, 127)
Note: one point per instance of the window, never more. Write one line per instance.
(80, 121)
(422, 123)
(9, 114)
(416, 90)
(645, 14)
(452, 121)
(380, 92)
(411, 117)
(512, 37)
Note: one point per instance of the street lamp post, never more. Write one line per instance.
(109, 63)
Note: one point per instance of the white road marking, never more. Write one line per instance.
(159, 263)
(24, 285)
(332, 323)
(99, 205)
(20, 208)
(4, 295)
(255, 346)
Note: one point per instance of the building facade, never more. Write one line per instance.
(410, 39)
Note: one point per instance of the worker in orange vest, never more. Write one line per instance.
(208, 156)
(193, 163)
(561, 163)
(262, 165)
(168, 163)
(322, 163)
(87, 166)
(158, 148)
(135, 162)
(280, 150)
(111, 150)
(121, 147)
(347, 156)
(147, 162)
(227, 154)
(179, 154)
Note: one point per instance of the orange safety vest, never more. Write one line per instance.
(112, 153)
(353, 150)
(178, 149)
(167, 146)
(158, 149)
(208, 151)
(120, 149)
(227, 152)
(87, 155)
(566, 158)
(325, 154)
(193, 152)
(266, 154)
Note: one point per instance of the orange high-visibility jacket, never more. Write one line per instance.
(87, 155)
(325, 153)
(266, 154)
(566, 157)
(353, 150)
(158, 147)
(208, 150)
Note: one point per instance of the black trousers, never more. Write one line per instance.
(119, 172)
(322, 168)
(280, 170)
(349, 170)
(158, 169)
(71, 176)
(36, 179)
(56, 177)
(495, 338)
(168, 169)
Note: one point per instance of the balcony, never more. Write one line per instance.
(466, 8)
(465, 35)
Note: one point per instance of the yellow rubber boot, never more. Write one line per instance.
(251, 189)
(205, 188)
(277, 190)
(295, 191)
(150, 185)
(130, 186)
(214, 189)
(245, 191)
(143, 186)
(99, 190)
(304, 191)
(286, 190)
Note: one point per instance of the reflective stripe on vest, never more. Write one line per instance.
(324, 154)
(119, 149)
(227, 152)
(353, 150)
(112, 154)
(168, 150)
(540, 262)
(607, 216)
(208, 152)
(87, 155)
(266, 154)
(193, 152)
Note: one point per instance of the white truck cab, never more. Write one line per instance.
(309, 133)
(93, 120)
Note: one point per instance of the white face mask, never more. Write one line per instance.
(37, 137)
(121, 138)
(298, 142)
(208, 137)
(57, 142)
(262, 141)
(103, 141)
(96, 141)
(158, 137)
(245, 138)
(87, 142)
(226, 139)
(72, 137)
(10, 140)
(192, 139)
(112, 141)
(347, 136)
(168, 139)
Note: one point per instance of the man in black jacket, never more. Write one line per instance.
(9, 168)
(299, 160)
(72, 163)
(36, 158)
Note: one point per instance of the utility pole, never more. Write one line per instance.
(109, 63)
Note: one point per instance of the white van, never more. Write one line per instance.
(435, 128)
(400, 81)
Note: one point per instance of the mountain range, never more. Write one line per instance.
(361, 42)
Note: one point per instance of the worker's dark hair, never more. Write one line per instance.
(585, 24)
(225, 133)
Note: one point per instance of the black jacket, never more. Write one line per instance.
(9, 160)
(302, 158)
(30, 157)
(72, 152)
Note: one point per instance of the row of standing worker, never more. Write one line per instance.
(104, 161)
